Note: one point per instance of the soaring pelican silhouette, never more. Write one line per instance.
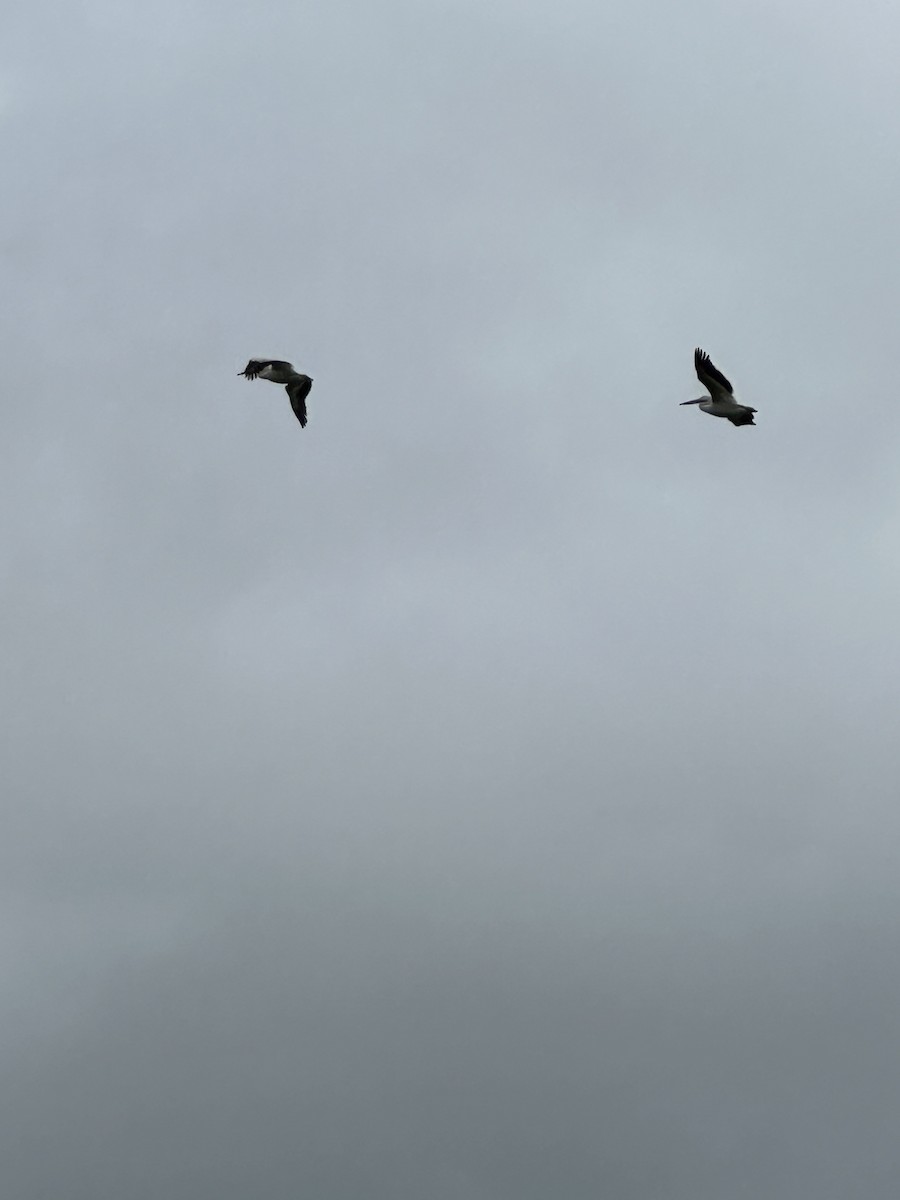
(720, 402)
(274, 369)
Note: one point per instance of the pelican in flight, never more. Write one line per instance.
(720, 402)
(296, 385)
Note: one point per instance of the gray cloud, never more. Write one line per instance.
(489, 791)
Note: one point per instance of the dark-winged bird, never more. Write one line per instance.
(297, 385)
(720, 402)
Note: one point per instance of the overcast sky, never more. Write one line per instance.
(489, 792)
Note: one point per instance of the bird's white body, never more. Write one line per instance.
(720, 406)
(278, 372)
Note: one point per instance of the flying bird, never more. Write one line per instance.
(720, 402)
(297, 385)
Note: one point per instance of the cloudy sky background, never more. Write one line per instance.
(489, 792)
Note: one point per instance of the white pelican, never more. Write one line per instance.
(720, 402)
(297, 385)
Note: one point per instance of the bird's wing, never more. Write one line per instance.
(711, 377)
(253, 367)
(743, 417)
(256, 365)
(297, 393)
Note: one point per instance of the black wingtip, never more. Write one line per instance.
(702, 362)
